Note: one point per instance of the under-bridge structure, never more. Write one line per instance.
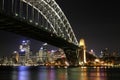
(42, 20)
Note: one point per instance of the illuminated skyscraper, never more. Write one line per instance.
(40, 55)
(83, 53)
(25, 49)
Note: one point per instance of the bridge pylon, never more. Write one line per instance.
(72, 56)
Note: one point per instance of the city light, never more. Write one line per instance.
(41, 48)
(23, 41)
(22, 50)
(45, 44)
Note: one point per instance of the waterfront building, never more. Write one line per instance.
(45, 53)
(15, 57)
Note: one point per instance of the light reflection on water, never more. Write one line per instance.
(21, 74)
(43, 73)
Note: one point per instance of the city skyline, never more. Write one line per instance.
(11, 42)
(96, 22)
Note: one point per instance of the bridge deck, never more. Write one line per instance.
(20, 27)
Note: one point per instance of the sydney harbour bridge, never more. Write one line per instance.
(42, 20)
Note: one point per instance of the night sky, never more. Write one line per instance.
(96, 21)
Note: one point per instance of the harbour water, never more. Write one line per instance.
(51, 73)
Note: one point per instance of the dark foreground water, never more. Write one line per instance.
(44, 73)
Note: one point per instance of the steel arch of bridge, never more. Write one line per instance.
(49, 9)
(24, 17)
(55, 17)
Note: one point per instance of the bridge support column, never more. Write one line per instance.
(72, 56)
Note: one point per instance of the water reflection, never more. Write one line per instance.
(85, 73)
(52, 74)
(21, 73)
(42, 74)
(46, 74)
(96, 74)
(80, 73)
(62, 74)
(14, 75)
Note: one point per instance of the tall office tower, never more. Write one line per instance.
(83, 52)
(40, 55)
(25, 49)
(45, 53)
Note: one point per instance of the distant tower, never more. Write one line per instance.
(83, 46)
